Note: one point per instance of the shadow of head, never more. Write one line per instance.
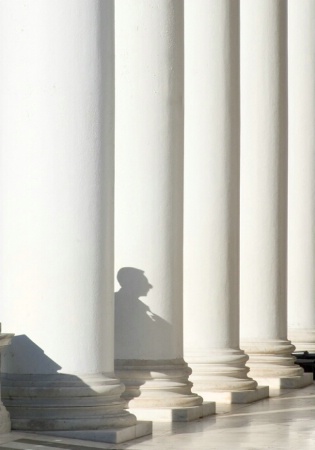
(133, 281)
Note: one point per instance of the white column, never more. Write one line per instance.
(212, 135)
(264, 194)
(301, 218)
(56, 222)
(149, 209)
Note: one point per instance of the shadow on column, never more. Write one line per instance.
(136, 326)
(142, 339)
(40, 399)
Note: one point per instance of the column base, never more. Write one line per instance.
(175, 414)
(303, 339)
(272, 360)
(159, 385)
(241, 397)
(110, 435)
(65, 403)
(287, 383)
(221, 375)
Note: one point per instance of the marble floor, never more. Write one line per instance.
(285, 421)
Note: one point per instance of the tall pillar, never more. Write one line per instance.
(149, 210)
(211, 224)
(56, 223)
(301, 217)
(263, 255)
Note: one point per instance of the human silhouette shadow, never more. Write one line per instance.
(139, 332)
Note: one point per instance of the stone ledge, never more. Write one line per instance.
(175, 414)
(246, 396)
(287, 382)
(110, 435)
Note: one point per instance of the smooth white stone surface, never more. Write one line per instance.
(301, 180)
(263, 169)
(57, 148)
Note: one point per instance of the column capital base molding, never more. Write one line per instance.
(156, 383)
(216, 356)
(271, 359)
(303, 339)
(65, 402)
(268, 346)
(220, 370)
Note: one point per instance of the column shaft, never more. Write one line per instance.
(264, 192)
(301, 217)
(149, 204)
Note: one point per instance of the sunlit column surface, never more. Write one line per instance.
(301, 218)
(212, 135)
(149, 206)
(264, 194)
(56, 218)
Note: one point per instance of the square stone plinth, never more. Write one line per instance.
(246, 396)
(174, 414)
(110, 435)
(286, 382)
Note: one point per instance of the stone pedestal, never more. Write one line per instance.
(211, 224)
(264, 194)
(5, 423)
(56, 228)
(301, 182)
(160, 390)
(149, 210)
(273, 365)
